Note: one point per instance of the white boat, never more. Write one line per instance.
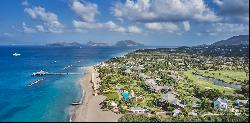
(16, 54)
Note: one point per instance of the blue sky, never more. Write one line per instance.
(152, 22)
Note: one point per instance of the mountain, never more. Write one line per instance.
(94, 44)
(127, 43)
(65, 44)
(235, 40)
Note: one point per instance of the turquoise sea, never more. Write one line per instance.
(49, 100)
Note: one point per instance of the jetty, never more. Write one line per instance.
(41, 73)
(35, 82)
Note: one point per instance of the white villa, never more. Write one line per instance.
(176, 112)
(220, 103)
(138, 110)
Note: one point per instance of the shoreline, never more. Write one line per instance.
(89, 110)
(85, 88)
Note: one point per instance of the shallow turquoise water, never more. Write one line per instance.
(49, 100)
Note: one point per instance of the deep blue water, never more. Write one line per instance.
(50, 99)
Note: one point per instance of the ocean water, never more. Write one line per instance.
(50, 99)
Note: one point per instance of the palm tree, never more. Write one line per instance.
(205, 104)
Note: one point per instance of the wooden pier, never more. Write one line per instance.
(63, 73)
(47, 73)
(35, 82)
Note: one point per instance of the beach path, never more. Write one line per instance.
(95, 112)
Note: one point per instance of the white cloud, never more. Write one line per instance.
(110, 25)
(7, 34)
(134, 29)
(52, 23)
(86, 11)
(25, 3)
(218, 2)
(164, 11)
(94, 25)
(119, 29)
(236, 11)
(186, 25)
(30, 12)
(40, 13)
(120, 19)
(86, 25)
(233, 7)
(79, 30)
(40, 28)
(27, 29)
(227, 28)
(170, 27)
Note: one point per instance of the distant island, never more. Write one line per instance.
(124, 43)
(64, 44)
(128, 43)
(91, 43)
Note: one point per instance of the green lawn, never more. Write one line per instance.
(203, 83)
(225, 75)
(111, 95)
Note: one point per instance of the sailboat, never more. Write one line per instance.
(16, 54)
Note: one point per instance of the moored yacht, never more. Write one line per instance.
(16, 54)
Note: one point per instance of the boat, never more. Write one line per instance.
(41, 72)
(16, 54)
(76, 103)
(53, 62)
(67, 67)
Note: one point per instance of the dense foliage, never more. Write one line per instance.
(227, 117)
(189, 79)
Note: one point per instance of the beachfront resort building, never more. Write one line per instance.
(176, 112)
(138, 110)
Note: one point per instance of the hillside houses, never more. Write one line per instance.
(164, 81)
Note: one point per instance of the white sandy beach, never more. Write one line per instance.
(90, 110)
